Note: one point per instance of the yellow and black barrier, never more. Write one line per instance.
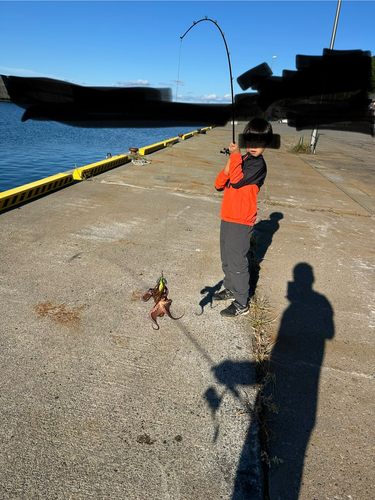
(160, 145)
(170, 142)
(153, 147)
(13, 197)
(99, 167)
(190, 134)
(27, 192)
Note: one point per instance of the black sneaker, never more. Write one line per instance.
(235, 309)
(225, 294)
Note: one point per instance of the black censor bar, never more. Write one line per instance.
(327, 91)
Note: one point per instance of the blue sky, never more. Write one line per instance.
(126, 43)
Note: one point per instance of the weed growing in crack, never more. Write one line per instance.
(262, 346)
(301, 147)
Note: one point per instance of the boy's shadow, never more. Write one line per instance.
(296, 362)
(262, 239)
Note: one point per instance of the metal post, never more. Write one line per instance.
(314, 135)
(335, 25)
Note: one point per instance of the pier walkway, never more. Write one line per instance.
(95, 404)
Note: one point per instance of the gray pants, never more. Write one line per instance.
(234, 247)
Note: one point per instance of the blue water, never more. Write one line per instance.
(32, 150)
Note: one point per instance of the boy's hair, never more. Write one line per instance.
(258, 130)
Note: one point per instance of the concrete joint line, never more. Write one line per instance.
(327, 368)
(322, 210)
(336, 180)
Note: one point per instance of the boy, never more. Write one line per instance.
(241, 180)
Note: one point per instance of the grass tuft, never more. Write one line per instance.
(301, 147)
(261, 320)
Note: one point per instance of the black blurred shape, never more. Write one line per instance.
(253, 76)
(274, 144)
(71, 104)
(353, 111)
(334, 72)
(325, 91)
(270, 83)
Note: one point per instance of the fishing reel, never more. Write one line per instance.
(225, 151)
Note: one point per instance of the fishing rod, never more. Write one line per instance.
(230, 67)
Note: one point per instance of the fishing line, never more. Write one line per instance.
(167, 208)
(178, 71)
(230, 67)
(169, 175)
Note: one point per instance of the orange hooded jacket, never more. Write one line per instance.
(241, 188)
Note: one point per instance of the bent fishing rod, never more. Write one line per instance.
(230, 68)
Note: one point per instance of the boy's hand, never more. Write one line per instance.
(234, 148)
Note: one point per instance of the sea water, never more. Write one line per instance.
(33, 150)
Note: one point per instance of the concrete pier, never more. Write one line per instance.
(96, 404)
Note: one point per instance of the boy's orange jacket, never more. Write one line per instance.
(241, 187)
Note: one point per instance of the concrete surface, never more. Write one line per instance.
(319, 275)
(96, 404)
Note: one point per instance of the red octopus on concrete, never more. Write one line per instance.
(162, 304)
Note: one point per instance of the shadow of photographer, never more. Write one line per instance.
(295, 362)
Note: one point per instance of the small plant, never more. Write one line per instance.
(87, 175)
(301, 147)
(265, 458)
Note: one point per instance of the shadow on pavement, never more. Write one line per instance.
(263, 232)
(207, 300)
(296, 362)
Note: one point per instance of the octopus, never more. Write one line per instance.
(162, 304)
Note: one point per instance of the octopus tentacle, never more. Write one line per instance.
(153, 316)
(147, 295)
(166, 307)
(162, 304)
(157, 311)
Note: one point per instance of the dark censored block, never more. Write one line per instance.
(274, 144)
(323, 91)
(254, 76)
(327, 91)
(101, 107)
(335, 72)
